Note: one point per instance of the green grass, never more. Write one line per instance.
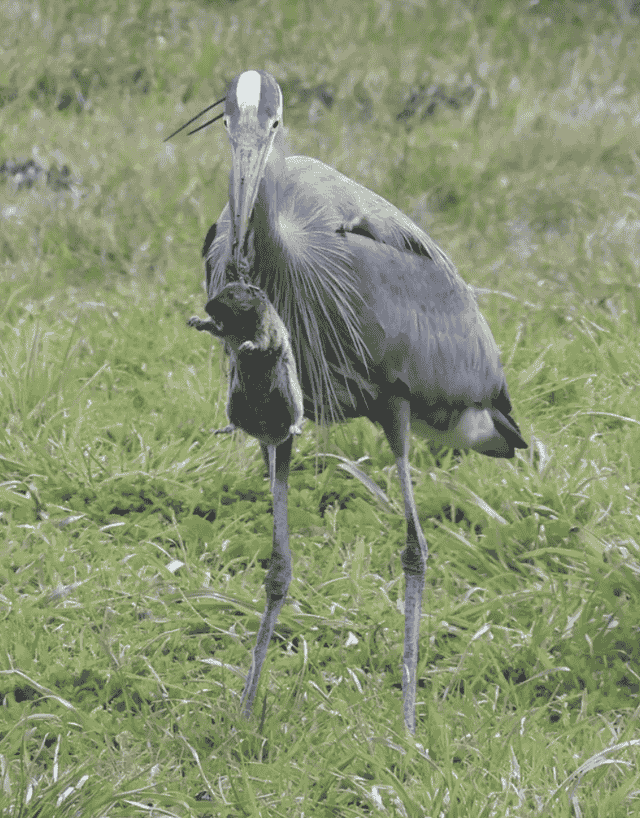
(133, 541)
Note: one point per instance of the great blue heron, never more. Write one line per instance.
(381, 323)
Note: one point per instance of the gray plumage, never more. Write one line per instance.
(381, 325)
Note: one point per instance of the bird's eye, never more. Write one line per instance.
(225, 122)
(275, 124)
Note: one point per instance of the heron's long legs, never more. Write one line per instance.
(279, 573)
(414, 557)
(271, 465)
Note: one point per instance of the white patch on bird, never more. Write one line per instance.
(473, 429)
(475, 426)
(248, 89)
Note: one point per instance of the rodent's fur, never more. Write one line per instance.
(265, 398)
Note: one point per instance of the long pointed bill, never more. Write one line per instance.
(250, 153)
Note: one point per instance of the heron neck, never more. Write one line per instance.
(267, 207)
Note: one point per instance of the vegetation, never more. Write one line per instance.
(133, 542)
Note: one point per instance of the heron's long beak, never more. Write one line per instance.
(250, 153)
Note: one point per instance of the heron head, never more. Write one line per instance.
(252, 119)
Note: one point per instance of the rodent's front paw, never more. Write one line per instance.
(247, 346)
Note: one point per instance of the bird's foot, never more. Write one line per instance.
(247, 346)
(226, 430)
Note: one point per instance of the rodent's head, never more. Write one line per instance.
(238, 312)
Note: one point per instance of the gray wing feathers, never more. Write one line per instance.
(422, 326)
(216, 252)
(359, 209)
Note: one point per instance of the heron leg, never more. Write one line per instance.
(414, 557)
(271, 455)
(279, 573)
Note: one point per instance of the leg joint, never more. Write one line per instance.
(414, 556)
(278, 577)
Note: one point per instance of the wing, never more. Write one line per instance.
(427, 339)
(216, 250)
(356, 209)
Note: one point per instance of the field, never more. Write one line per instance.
(133, 542)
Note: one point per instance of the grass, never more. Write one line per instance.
(133, 542)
